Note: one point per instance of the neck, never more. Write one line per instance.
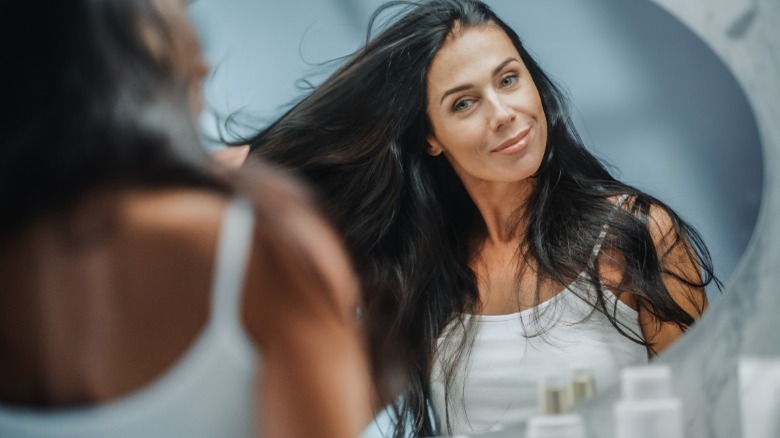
(502, 206)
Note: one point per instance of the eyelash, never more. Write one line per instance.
(514, 76)
(457, 103)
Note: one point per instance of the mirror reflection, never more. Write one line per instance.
(647, 94)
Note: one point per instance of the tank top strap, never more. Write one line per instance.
(603, 234)
(232, 257)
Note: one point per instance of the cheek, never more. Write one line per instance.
(539, 107)
(543, 122)
(459, 136)
(465, 137)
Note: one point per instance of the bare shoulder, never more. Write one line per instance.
(299, 266)
(661, 228)
(663, 231)
(659, 220)
(178, 211)
(179, 225)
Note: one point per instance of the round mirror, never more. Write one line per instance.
(649, 96)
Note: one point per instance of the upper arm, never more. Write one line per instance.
(681, 275)
(299, 267)
(299, 305)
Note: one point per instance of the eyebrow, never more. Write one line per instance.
(467, 86)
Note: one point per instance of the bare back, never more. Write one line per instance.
(87, 297)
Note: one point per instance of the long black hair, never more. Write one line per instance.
(99, 94)
(361, 138)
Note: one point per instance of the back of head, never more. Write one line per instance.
(99, 94)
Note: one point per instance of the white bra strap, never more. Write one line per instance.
(597, 247)
(235, 240)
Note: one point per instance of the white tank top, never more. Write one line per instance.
(495, 382)
(209, 392)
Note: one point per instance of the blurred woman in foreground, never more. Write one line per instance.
(145, 291)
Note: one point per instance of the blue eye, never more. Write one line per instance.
(461, 105)
(509, 80)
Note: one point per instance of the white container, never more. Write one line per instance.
(555, 426)
(759, 393)
(649, 382)
(648, 409)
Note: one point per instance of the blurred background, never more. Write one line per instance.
(648, 96)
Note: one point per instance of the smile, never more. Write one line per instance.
(514, 144)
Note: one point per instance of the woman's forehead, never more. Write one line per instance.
(471, 51)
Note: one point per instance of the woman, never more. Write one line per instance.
(139, 279)
(487, 238)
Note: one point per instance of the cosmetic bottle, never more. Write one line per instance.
(553, 395)
(759, 393)
(553, 421)
(555, 426)
(583, 384)
(648, 409)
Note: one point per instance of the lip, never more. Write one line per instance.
(515, 143)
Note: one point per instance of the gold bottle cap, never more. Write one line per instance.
(583, 384)
(553, 396)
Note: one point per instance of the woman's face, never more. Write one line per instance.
(485, 112)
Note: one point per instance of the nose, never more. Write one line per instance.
(502, 114)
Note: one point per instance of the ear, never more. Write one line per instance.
(434, 147)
